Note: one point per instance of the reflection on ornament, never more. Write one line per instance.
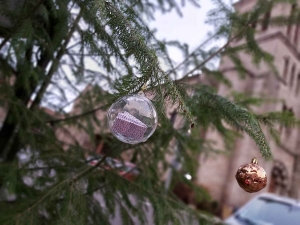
(251, 177)
(132, 118)
(129, 126)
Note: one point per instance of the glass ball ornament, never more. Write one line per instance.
(251, 177)
(132, 118)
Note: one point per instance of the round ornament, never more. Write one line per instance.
(132, 118)
(251, 177)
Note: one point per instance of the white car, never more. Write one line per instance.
(267, 209)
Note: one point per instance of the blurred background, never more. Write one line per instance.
(52, 129)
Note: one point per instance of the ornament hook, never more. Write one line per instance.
(254, 161)
(143, 88)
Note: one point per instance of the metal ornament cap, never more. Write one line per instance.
(251, 177)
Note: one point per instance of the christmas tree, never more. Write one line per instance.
(67, 168)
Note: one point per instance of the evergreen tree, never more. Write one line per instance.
(47, 49)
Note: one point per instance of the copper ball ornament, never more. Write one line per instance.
(251, 177)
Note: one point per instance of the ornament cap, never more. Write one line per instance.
(254, 161)
(143, 88)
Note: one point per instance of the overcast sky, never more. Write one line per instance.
(190, 28)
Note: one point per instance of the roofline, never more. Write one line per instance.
(277, 35)
(241, 2)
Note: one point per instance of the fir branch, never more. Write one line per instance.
(286, 119)
(5, 64)
(65, 76)
(58, 186)
(30, 14)
(130, 39)
(166, 198)
(235, 116)
(172, 86)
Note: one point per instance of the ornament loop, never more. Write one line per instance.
(143, 88)
(254, 161)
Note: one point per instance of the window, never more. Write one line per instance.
(253, 22)
(288, 130)
(284, 109)
(279, 178)
(296, 35)
(292, 75)
(286, 67)
(266, 20)
(293, 10)
(290, 111)
(298, 84)
(173, 116)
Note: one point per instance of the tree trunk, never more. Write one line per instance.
(10, 124)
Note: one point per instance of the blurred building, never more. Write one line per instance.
(217, 173)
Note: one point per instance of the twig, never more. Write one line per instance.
(215, 53)
(192, 53)
(55, 64)
(129, 171)
(76, 116)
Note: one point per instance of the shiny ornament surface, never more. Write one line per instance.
(251, 177)
(132, 118)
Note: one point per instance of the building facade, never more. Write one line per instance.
(283, 43)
